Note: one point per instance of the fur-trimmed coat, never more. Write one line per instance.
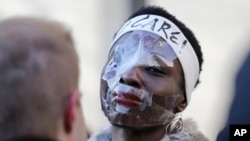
(189, 132)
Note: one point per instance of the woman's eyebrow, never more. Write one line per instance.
(156, 60)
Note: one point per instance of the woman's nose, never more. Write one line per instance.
(132, 77)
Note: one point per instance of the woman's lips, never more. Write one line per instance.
(127, 99)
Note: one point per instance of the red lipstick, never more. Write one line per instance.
(128, 99)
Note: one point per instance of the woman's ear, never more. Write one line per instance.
(181, 103)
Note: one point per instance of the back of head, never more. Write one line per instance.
(38, 70)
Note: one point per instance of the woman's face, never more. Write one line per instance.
(142, 83)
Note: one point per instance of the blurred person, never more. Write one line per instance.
(239, 110)
(39, 72)
(153, 65)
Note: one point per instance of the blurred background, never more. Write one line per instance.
(221, 26)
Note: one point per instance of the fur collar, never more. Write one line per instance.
(188, 133)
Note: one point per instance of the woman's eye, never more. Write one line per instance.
(154, 70)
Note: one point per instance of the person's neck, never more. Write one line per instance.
(120, 133)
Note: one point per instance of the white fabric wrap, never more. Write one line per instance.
(174, 37)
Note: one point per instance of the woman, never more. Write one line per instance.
(153, 66)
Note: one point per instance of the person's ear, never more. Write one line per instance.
(71, 111)
(181, 102)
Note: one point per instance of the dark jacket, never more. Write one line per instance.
(239, 110)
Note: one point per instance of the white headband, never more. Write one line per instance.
(175, 38)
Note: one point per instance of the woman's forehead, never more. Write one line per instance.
(146, 41)
(135, 37)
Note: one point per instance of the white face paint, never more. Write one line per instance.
(128, 105)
